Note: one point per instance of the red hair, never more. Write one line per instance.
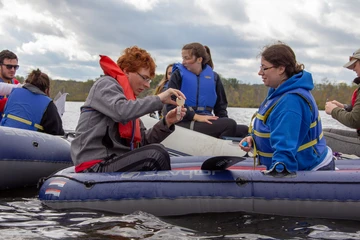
(135, 58)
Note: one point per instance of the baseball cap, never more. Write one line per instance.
(353, 59)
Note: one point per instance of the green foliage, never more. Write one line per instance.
(153, 85)
(78, 91)
(21, 79)
(238, 94)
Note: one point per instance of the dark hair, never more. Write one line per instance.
(7, 54)
(38, 79)
(135, 58)
(280, 54)
(162, 82)
(198, 50)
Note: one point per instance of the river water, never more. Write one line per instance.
(22, 216)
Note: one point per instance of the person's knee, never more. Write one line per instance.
(162, 156)
(231, 123)
(242, 130)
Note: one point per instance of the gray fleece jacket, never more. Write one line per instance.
(97, 134)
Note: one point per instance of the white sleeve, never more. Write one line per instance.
(5, 88)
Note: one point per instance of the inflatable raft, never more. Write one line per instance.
(194, 143)
(188, 190)
(26, 156)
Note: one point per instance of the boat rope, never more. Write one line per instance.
(239, 181)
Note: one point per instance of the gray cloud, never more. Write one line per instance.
(107, 27)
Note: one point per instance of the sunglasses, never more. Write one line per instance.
(9, 66)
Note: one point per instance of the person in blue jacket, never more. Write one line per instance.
(286, 135)
(206, 100)
(30, 107)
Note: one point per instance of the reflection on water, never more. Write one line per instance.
(26, 218)
(22, 216)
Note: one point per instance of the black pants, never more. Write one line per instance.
(152, 157)
(222, 127)
(241, 131)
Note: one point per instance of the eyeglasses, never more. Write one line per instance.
(9, 66)
(262, 68)
(148, 80)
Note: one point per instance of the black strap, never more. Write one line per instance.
(201, 109)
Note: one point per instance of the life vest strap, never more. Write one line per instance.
(302, 147)
(200, 109)
(22, 120)
(263, 135)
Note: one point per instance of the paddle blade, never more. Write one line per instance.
(221, 162)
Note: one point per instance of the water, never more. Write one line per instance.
(22, 216)
(241, 115)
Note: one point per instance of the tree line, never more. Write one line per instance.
(238, 94)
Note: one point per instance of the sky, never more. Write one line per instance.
(64, 38)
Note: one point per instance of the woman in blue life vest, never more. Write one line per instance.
(286, 135)
(161, 87)
(30, 107)
(206, 101)
(340, 140)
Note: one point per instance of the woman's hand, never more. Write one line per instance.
(165, 96)
(246, 143)
(171, 117)
(205, 118)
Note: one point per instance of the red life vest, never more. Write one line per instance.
(111, 69)
(353, 100)
(354, 96)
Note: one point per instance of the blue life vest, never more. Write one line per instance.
(200, 91)
(25, 109)
(165, 87)
(261, 132)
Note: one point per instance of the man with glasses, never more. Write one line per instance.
(110, 136)
(8, 67)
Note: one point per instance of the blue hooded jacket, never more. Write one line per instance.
(287, 126)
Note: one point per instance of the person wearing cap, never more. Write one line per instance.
(345, 141)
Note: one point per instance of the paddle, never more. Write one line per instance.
(221, 162)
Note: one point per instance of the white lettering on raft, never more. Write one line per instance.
(190, 173)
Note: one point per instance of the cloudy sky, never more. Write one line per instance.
(64, 38)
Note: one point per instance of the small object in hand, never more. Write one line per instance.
(180, 102)
(245, 144)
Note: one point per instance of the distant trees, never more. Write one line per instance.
(330, 91)
(21, 79)
(238, 94)
(78, 91)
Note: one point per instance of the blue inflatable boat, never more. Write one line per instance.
(26, 156)
(187, 190)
